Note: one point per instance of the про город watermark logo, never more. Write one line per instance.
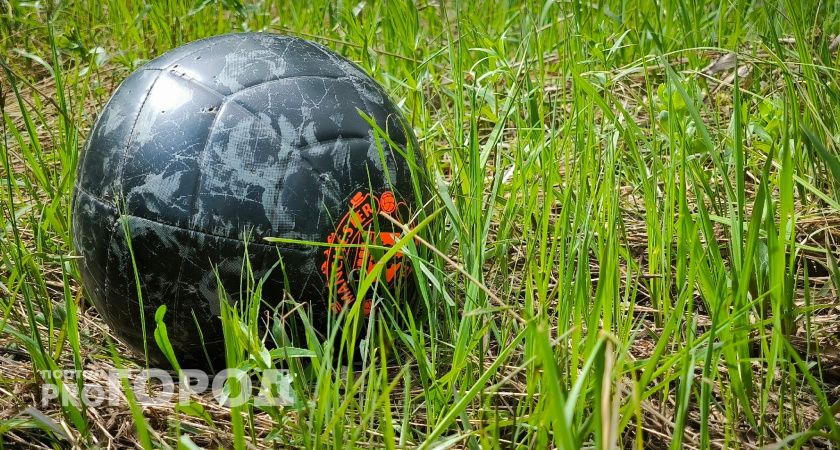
(150, 387)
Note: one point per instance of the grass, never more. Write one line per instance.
(635, 242)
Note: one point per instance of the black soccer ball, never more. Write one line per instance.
(232, 139)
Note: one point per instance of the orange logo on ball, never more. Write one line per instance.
(387, 202)
(357, 229)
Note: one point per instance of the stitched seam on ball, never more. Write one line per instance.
(245, 89)
(131, 136)
(112, 233)
(166, 225)
(384, 145)
(124, 160)
(230, 98)
(276, 37)
(201, 159)
(212, 125)
(108, 263)
(86, 147)
(107, 203)
(301, 151)
(268, 247)
(292, 78)
(140, 111)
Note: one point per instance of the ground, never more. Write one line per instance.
(635, 244)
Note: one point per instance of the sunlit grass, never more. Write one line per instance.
(630, 242)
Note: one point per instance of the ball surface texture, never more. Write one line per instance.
(229, 140)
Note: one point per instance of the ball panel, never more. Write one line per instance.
(241, 172)
(162, 167)
(106, 147)
(306, 111)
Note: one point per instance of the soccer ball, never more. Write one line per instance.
(208, 149)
